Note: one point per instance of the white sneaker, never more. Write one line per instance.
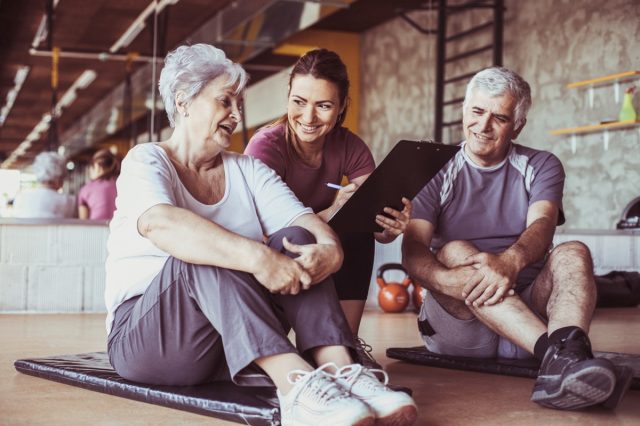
(316, 399)
(390, 407)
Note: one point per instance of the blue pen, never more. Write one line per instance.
(334, 186)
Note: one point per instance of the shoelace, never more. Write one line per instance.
(366, 376)
(318, 385)
(365, 349)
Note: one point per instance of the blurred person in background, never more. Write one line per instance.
(46, 200)
(97, 198)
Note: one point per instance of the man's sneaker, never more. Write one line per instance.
(569, 376)
(316, 399)
(364, 354)
(390, 407)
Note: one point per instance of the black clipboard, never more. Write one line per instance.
(403, 173)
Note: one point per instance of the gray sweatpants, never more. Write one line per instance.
(197, 324)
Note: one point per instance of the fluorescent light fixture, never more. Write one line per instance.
(138, 25)
(11, 97)
(18, 81)
(85, 79)
(41, 127)
(112, 125)
(42, 32)
(21, 150)
(21, 75)
(67, 99)
(33, 136)
(82, 82)
(128, 36)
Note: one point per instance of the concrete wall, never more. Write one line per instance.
(52, 267)
(550, 43)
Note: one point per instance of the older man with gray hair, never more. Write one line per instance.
(480, 242)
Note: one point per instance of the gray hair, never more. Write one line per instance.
(190, 69)
(49, 167)
(497, 81)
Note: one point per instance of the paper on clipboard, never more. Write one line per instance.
(403, 173)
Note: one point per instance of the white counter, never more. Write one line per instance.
(57, 265)
(51, 265)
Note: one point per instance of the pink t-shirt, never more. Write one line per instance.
(344, 154)
(99, 196)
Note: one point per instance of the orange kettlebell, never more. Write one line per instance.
(393, 297)
(417, 296)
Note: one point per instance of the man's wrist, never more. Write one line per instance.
(514, 256)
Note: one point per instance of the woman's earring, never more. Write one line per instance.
(185, 113)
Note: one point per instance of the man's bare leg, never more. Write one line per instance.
(510, 318)
(565, 290)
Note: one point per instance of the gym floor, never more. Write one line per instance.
(444, 397)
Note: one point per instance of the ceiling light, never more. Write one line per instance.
(128, 36)
(21, 75)
(112, 125)
(138, 25)
(41, 127)
(33, 136)
(18, 81)
(21, 150)
(42, 32)
(67, 99)
(82, 82)
(85, 79)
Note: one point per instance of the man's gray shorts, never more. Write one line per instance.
(445, 334)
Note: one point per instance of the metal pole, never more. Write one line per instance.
(498, 17)
(440, 68)
(127, 106)
(245, 132)
(52, 139)
(153, 75)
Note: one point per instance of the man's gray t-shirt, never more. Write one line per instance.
(487, 206)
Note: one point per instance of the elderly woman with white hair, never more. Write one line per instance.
(45, 200)
(212, 260)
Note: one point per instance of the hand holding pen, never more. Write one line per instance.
(334, 186)
(393, 224)
(344, 193)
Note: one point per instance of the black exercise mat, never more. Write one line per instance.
(507, 367)
(224, 400)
